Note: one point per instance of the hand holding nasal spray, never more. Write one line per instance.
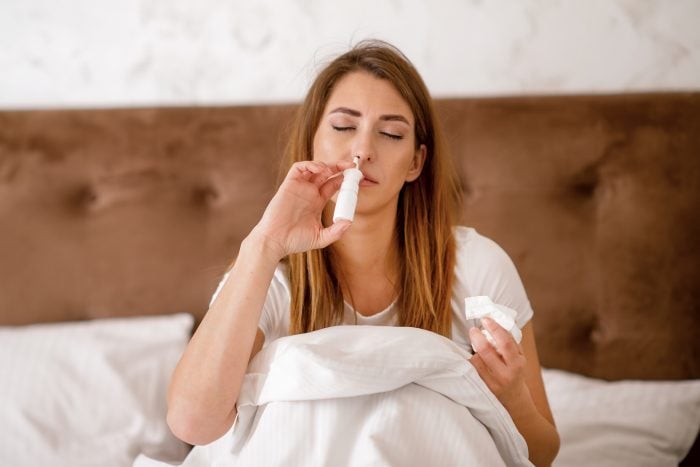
(347, 196)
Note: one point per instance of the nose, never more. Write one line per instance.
(361, 158)
(365, 156)
(363, 147)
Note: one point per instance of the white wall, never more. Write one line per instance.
(178, 52)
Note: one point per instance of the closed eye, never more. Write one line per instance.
(343, 128)
(384, 133)
(391, 135)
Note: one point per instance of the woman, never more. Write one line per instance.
(400, 262)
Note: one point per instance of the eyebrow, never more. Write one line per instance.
(355, 113)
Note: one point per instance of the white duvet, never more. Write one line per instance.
(360, 396)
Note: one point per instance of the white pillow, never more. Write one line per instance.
(639, 423)
(89, 393)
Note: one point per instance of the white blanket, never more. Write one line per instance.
(360, 396)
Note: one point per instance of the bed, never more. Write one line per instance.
(116, 225)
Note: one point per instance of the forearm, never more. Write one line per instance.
(207, 380)
(540, 434)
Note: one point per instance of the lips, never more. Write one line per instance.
(367, 181)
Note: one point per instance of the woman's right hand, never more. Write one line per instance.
(292, 220)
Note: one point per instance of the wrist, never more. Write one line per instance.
(260, 244)
(520, 405)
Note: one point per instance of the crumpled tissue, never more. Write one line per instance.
(481, 306)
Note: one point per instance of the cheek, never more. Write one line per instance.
(404, 162)
(323, 147)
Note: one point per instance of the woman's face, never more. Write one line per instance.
(367, 117)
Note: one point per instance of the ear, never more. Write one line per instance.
(417, 163)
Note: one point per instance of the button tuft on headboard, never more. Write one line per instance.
(596, 334)
(585, 183)
(85, 197)
(587, 332)
(205, 195)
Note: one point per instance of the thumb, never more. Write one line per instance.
(333, 233)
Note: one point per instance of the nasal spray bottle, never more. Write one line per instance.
(347, 196)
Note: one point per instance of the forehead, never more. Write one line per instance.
(361, 91)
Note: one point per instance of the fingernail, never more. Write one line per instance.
(472, 333)
(487, 322)
(475, 346)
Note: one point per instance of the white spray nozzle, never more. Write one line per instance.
(356, 161)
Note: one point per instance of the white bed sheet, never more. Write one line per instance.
(364, 395)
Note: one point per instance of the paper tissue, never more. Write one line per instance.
(481, 306)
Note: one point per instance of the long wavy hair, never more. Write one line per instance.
(427, 206)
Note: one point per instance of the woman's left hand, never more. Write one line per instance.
(502, 367)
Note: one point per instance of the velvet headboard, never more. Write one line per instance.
(596, 198)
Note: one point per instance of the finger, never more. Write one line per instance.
(343, 165)
(505, 342)
(305, 169)
(322, 176)
(337, 169)
(483, 370)
(332, 172)
(487, 352)
(330, 187)
(332, 233)
(319, 173)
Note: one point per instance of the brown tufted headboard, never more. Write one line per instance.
(596, 198)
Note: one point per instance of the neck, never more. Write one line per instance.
(369, 249)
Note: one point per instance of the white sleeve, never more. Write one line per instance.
(276, 308)
(486, 269)
(218, 289)
(276, 305)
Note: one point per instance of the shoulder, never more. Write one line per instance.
(476, 249)
(279, 286)
(483, 267)
(274, 318)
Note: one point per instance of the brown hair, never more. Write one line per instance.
(426, 207)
